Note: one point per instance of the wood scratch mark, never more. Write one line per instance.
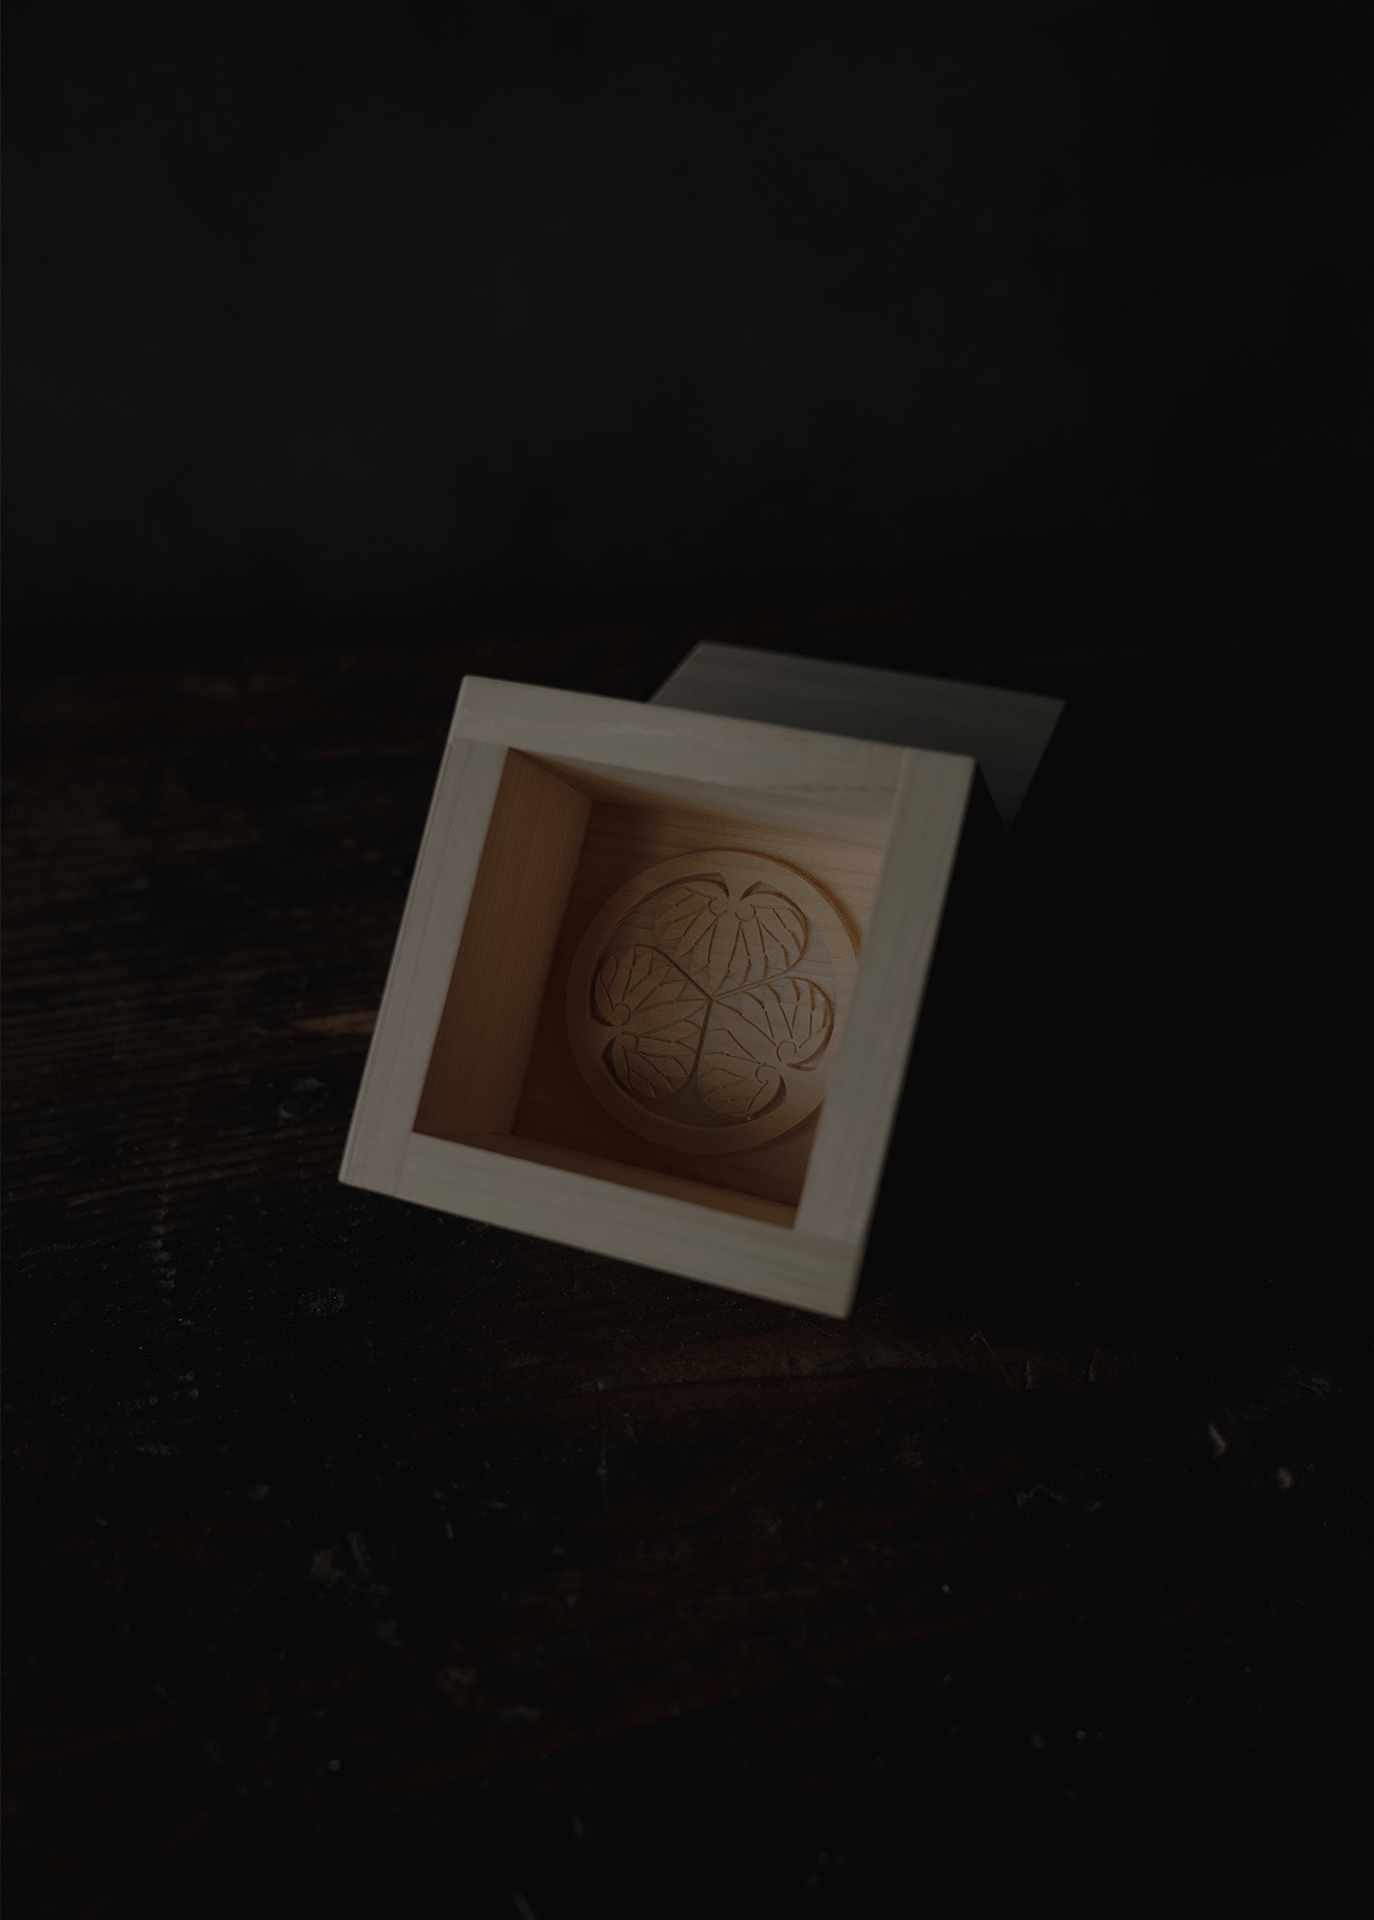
(996, 1357)
(979, 1334)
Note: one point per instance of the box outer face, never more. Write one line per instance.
(815, 1263)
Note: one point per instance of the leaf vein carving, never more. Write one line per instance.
(715, 998)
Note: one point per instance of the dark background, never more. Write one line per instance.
(333, 319)
(367, 1559)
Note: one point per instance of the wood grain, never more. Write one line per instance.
(360, 1557)
(870, 1069)
(482, 1047)
(671, 1225)
(421, 969)
(524, 842)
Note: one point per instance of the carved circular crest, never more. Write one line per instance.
(704, 999)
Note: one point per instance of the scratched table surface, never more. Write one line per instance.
(361, 1558)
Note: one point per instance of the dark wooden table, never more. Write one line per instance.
(365, 1559)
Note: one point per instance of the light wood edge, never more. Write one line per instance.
(621, 1173)
(722, 1249)
(855, 814)
(707, 748)
(856, 1121)
(422, 964)
(813, 1264)
(482, 1047)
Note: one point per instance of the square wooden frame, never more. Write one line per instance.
(508, 742)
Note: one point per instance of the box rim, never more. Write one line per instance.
(381, 1146)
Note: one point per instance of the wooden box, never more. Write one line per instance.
(657, 982)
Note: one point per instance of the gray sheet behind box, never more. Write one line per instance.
(1005, 732)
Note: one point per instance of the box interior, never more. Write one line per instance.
(564, 836)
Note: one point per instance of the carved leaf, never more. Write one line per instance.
(725, 941)
(733, 1083)
(656, 1016)
(753, 1036)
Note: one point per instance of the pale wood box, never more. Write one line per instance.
(658, 977)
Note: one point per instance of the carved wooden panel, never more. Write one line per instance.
(705, 1000)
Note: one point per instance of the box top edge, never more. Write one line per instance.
(659, 720)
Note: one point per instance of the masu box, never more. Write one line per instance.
(657, 982)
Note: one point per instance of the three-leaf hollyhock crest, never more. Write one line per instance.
(715, 997)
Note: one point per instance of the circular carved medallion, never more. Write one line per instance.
(704, 997)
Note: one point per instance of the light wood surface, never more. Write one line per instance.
(519, 896)
(1005, 731)
(621, 1173)
(418, 979)
(649, 1229)
(548, 806)
(866, 1083)
(614, 737)
(856, 813)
